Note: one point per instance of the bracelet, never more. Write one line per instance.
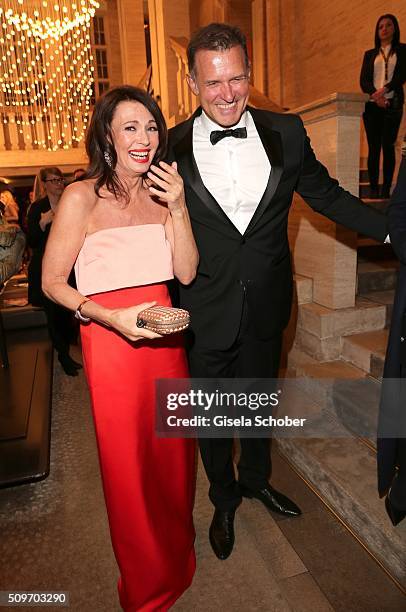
(78, 312)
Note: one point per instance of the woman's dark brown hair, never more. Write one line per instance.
(99, 139)
(396, 31)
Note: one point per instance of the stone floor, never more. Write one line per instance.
(54, 536)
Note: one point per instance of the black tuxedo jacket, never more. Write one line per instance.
(257, 264)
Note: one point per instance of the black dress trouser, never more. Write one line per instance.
(61, 323)
(246, 358)
(382, 127)
(60, 326)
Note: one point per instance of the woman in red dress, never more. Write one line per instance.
(127, 228)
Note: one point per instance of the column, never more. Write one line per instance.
(259, 59)
(167, 19)
(321, 249)
(132, 40)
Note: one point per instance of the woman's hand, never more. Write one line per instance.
(379, 95)
(382, 102)
(124, 320)
(46, 219)
(178, 228)
(170, 182)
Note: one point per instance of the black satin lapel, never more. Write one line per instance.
(188, 169)
(272, 143)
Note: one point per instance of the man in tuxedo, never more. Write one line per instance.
(240, 167)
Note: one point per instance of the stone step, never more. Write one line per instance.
(366, 315)
(318, 376)
(365, 193)
(320, 330)
(304, 288)
(366, 351)
(376, 276)
(377, 365)
(322, 349)
(355, 403)
(363, 175)
(386, 298)
(342, 389)
(374, 251)
(342, 471)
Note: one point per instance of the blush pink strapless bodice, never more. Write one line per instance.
(121, 257)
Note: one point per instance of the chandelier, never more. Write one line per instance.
(46, 69)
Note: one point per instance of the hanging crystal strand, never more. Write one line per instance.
(46, 71)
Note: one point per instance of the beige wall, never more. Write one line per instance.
(114, 48)
(236, 12)
(322, 45)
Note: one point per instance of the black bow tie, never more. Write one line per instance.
(218, 135)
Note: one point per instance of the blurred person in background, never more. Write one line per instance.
(79, 174)
(11, 209)
(41, 214)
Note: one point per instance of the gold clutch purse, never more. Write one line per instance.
(163, 319)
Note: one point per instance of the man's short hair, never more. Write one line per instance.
(216, 37)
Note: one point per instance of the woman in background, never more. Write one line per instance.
(127, 227)
(39, 221)
(382, 76)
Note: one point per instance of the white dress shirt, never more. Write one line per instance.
(379, 69)
(235, 171)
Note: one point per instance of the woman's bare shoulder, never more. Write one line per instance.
(81, 193)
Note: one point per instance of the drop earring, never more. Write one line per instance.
(108, 158)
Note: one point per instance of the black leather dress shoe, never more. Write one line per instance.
(273, 500)
(68, 365)
(76, 364)
(221, 533)
(395, 514)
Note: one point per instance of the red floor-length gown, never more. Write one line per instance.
(148, 481)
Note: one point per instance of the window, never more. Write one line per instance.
(101, 75)
(101, 64)
(98, 30)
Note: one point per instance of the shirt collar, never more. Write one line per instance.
(386, 49)
(208, 125)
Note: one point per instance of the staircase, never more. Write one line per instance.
(340, 355)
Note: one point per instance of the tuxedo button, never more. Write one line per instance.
(243, 241)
